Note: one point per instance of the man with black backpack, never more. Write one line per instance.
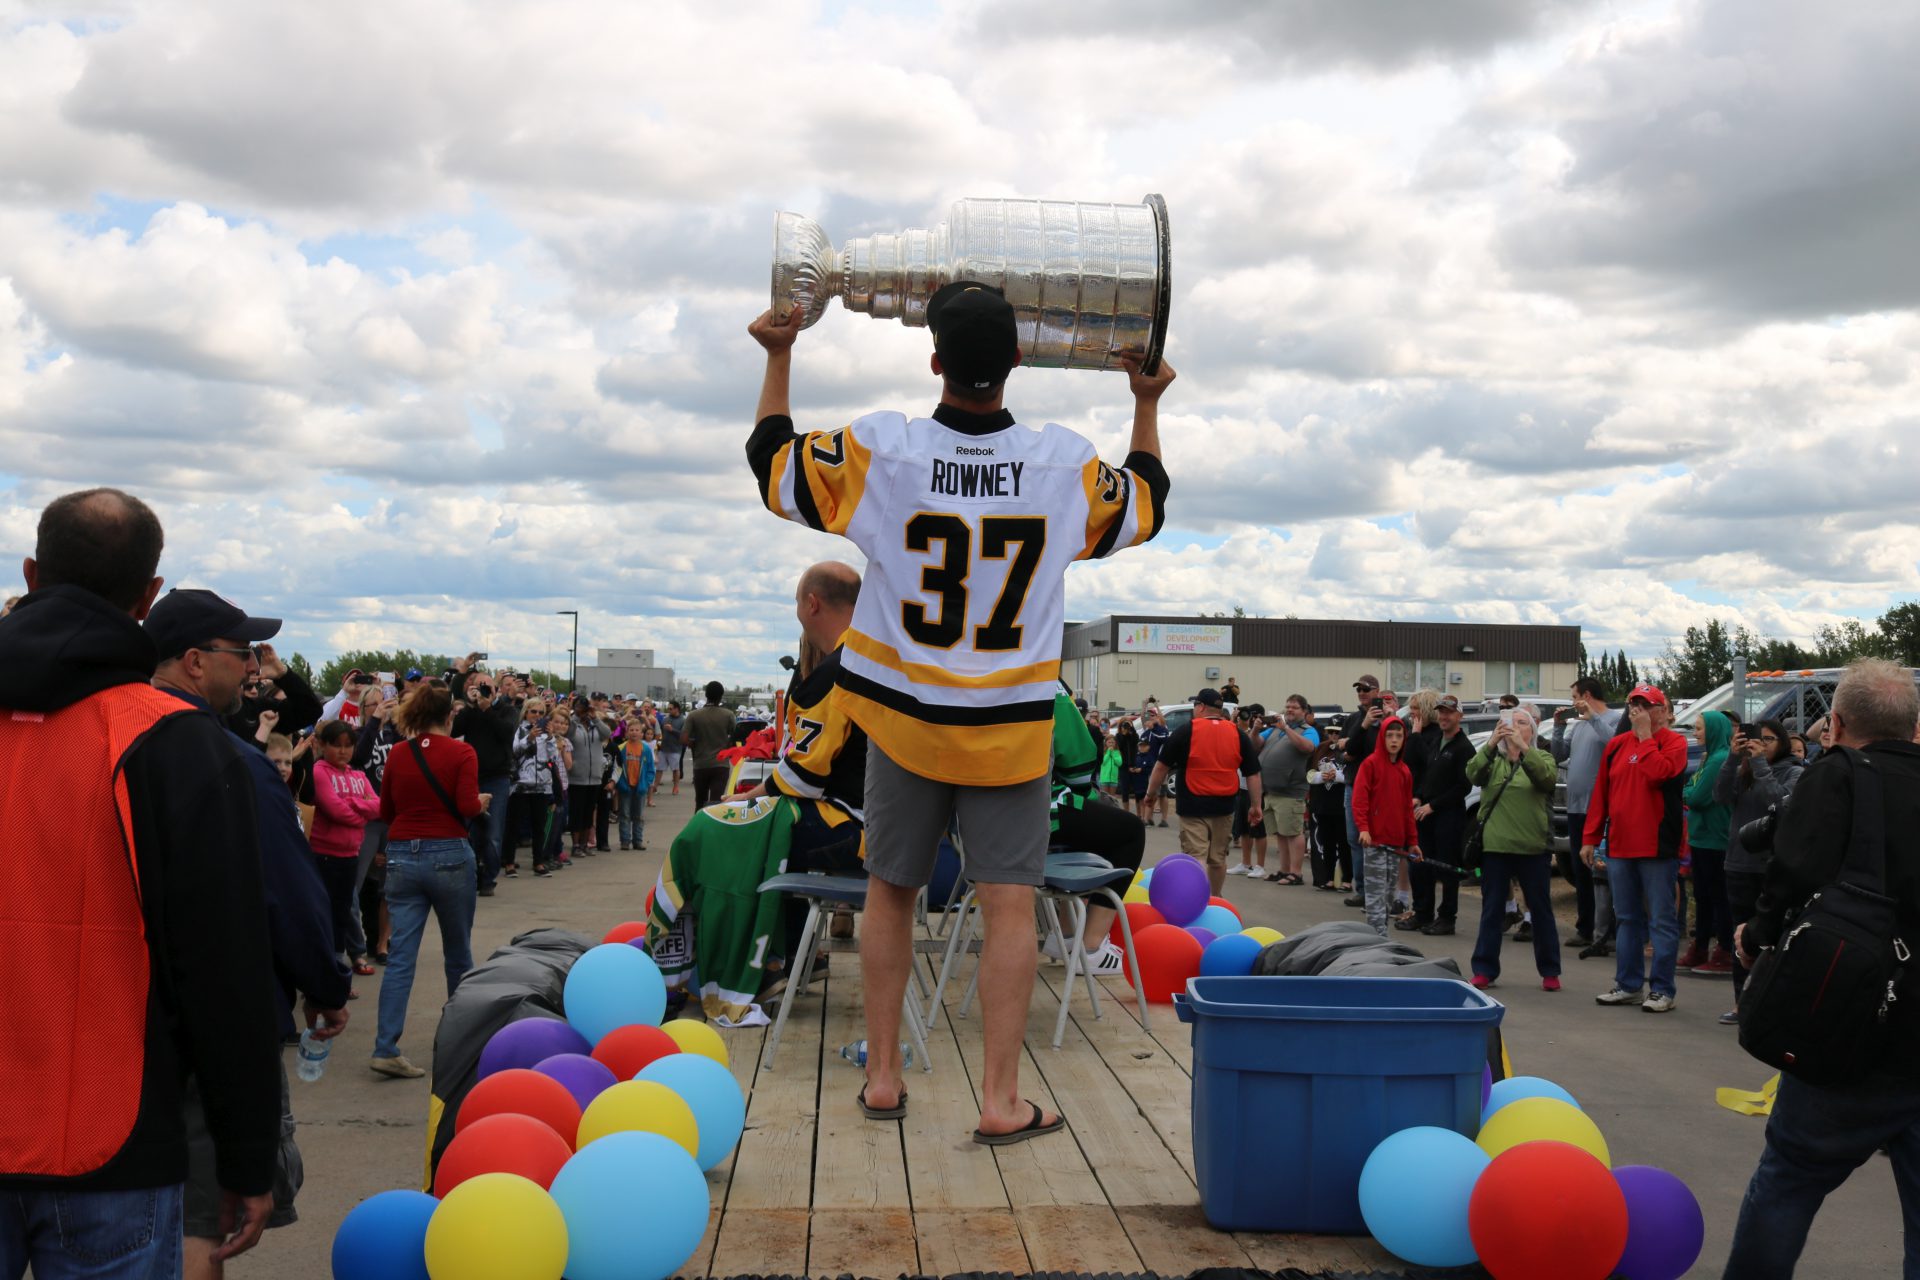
(1821, 1132)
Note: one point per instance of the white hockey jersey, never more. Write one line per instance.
(968, 522)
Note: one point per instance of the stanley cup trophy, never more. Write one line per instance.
(1087, 281)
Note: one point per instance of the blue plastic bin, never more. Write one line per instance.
(1296, 1080)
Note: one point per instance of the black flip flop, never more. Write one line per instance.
(1034, 1128)
(883, 1113)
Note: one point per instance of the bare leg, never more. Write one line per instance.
(886, 959)
(1007, 962)
(197, 1259)
(1259, 852)
(1099, 922)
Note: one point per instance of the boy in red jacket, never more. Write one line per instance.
(1383, 810)
(1637, 808)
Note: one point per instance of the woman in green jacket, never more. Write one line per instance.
(1516, 779)
(1707, 844)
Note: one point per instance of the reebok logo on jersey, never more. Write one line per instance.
(968, 450)
(976, 479)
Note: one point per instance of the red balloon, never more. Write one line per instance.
(1547, 1211)
(624, 1050)
(648, 913)
(1222, 902)
(1169, 955)
(521, 1091)
(1139, 916)
(626, 932)
(504, 1143)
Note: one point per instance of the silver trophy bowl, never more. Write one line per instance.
(1087, 281)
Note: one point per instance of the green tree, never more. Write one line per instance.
(300, 666)
(1700, 663)
(1900, 633)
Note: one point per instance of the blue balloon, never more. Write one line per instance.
(614, 985)
(636, 1207)
(384, 1237)
(1514, 1088)
(1231, 956)
(719, 1108)
(1218, 919)
(1414, 1192)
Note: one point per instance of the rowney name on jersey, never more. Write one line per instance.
(976, 479)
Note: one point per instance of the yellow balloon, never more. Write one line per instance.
(697, 1037)
(643, 1105)
(1138, 893)
(1542, 1120)
(1264, 936)
(497, 1226)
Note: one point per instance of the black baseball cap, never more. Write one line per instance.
(188, 617)
(973, 333)
(1208, 697)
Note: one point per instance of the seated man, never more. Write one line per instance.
(1087, 823)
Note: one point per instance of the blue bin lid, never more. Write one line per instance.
(1309, 999)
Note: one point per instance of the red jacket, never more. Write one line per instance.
(1383, 797)
(1637, 803)
(408, 801)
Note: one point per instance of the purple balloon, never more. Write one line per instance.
(1179, 890)
(1665, 1229)
(1206, 936)
(527, 1042)
(584, 1077)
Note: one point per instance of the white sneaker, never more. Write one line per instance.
(1051, 949)
(1657, 1004)
(1239, 869)
(1109, 961)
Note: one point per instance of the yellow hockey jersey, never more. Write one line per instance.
(968, 522)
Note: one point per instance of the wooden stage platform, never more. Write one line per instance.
(817, 1189)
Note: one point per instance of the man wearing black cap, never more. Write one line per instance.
(1212, 754)
(140, 951)
(206, 649)
(969, 521)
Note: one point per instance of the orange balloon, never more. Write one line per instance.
(625, 1050)
(1168, 956)
(1222, 902)
(628, 931)
(521, 1091)
(504, 1143)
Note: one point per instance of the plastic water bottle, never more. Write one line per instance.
(313, 1055)
(856, 1053)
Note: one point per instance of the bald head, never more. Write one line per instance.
(101, 540)
(824, 600)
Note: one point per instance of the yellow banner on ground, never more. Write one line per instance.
(1749, 1104)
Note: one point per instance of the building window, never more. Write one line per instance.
(1519, 678)
(1405, 675)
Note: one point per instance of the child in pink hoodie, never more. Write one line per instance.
(343, 802)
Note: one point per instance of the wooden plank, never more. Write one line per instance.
(1163, 1024)
(946, 1168)
(1044, 1172)
(1276, 1251)
(695, 1267)
(1174, 1239)
(858, 1163)
(773, 1165)
(872, 1244)
(953, 1241)
(1077, 1238)
(1121, 1145)
(762, 1242)
(1155, 1083)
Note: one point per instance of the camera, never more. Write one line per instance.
(1757, 836)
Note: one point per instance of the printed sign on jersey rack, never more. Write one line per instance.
(1176, 637)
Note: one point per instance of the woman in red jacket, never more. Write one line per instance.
(430, 792)
(1383, 810)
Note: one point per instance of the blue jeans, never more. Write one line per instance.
(1816, 1137)
(91, 1235)
(1353, 843)
(632, 808)
(489, 830)
(423, 874)
(1643, 891)
(1533, 872)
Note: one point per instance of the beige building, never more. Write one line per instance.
(1119, 662)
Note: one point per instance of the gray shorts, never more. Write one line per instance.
(1005, 829)
(201, 1208)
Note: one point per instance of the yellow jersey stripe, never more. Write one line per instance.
(921, 673)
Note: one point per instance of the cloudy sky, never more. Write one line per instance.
(418, 321)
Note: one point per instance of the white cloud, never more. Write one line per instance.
(417, 325)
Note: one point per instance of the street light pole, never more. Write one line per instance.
(573, 654)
